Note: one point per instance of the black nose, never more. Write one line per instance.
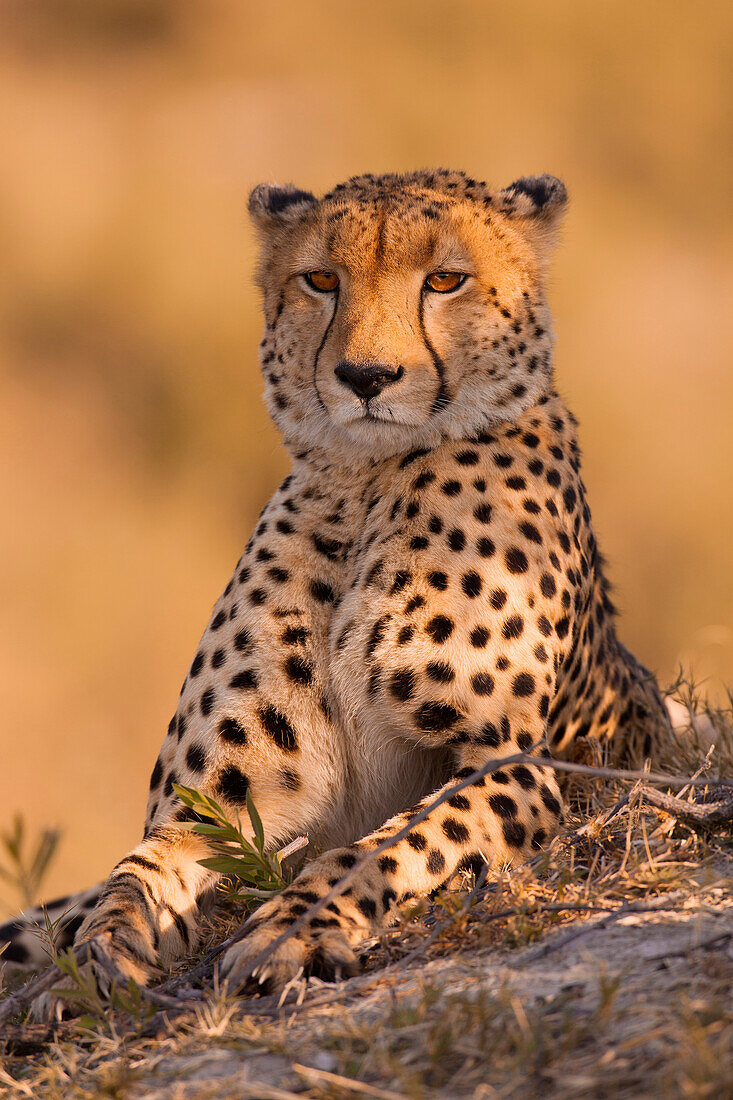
(367, 379)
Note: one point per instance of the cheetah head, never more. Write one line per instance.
(403, 310)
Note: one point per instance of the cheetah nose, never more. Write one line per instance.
(367, 379)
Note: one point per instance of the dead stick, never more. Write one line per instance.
(692, 813)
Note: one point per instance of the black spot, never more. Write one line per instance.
(289, 780)
(168, 785)
(451, 488)
(207, 701)
(422, 480)
(218, 657)
(503, 805)
(405, 635)
(435, 862)
(277, 574)
(467, 458)
(294, 635)
(388, 865)
(157, 775)
(440, 628)
(482, 683)
(196, 758)
(551, 803)
(376, 634)
(516, 560)
(524, 777)
(513, 627)
(456, 540)
(482, 512)
(245, 680)
(435, 525)
(401, 580)
(440, 671)
(242, 640)
(411, 457)
(197, 664)
(438, 579)
(346, 859)
(233, 785)
(485, 547)
(479, 637)
(298, 670)
(416, 841)
(413, 604)
(419, 542)
(530, 532)
(322, 592)
(569, 499)
(543, 624)
(367, 906)
(514, 833)
(503, 461)
(218, 620)
(388, 897)
(489, 735)
(548, 588)
(279, 729)
(523, 684)
(497, 599)
(471, 584)
(459, 802)
(435, 717)
(562, 627)
(402, 684)
(455, 831)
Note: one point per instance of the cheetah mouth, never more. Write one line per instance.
(368, 415)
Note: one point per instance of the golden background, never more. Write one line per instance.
(135, 452)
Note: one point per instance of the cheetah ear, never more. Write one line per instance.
(271, 204)
(537, 204)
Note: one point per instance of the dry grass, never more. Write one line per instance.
(605, 966)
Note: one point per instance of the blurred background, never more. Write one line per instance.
(135, 452)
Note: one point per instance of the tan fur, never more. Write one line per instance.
(423, 593)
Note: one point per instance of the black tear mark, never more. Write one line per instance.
(441, 398)
(320, 349)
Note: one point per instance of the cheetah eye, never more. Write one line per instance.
(443, 282)
(325, 282)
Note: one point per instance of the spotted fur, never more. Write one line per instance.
(422, 594)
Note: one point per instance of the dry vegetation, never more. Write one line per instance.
(604, 967)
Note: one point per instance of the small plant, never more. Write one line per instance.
(26, 863)
(83, 992)
(258, 874)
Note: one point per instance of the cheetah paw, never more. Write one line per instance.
(325, 953)
(105, 967)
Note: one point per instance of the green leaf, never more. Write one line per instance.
(256, 820)
(225, 865)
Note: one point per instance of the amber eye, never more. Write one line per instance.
(444, 281)
(324, 281)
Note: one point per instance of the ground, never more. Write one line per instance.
(603, 969)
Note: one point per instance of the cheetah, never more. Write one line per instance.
(422, 594)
